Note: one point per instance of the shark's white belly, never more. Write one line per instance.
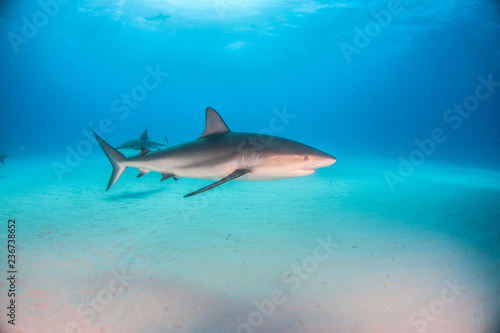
(198, 169)
(258, 173)
(216, 171)
(263, 173)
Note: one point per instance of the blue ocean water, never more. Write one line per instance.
(406, 95)
(352, 94)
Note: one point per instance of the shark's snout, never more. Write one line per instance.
(323, 160)
(331, 160)
(327, 161)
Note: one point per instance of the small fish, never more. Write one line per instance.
(2, 158)
(159, 17)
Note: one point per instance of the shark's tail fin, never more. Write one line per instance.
(117, 160)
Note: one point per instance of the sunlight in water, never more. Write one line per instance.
(209, 8)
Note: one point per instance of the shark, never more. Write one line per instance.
(159, 17)
(144, 142)
(222, 155)
(2, 158)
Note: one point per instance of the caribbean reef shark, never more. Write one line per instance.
(223, 155)
(2, 158)
(144, 142)
(159, 17)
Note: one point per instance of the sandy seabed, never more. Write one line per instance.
(337, 251)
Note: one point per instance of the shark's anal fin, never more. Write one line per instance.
(142, 173)
(144, 135)
(165, 176)
(235, 174)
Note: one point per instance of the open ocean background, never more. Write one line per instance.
(245, 58)
(405, 94)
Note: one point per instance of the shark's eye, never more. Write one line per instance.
(306, 158)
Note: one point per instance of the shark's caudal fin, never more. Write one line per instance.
(116, 159)
(144, 135)
(214, 124)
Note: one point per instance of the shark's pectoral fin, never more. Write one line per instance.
(142, 173)
(176, 177)
(235, 174)
(144, 151)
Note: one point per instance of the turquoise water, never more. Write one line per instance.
(399, 235)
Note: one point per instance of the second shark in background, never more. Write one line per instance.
(144, 142)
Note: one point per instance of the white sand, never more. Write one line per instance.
(141, 258)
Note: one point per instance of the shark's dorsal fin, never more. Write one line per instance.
(144, 135)
(214, 124)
